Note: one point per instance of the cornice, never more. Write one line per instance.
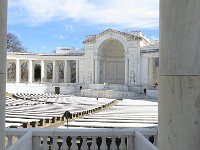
(111, 31)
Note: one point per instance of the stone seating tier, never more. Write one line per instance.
(48, 109)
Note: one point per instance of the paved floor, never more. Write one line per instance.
(127, 113)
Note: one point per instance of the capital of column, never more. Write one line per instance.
(126, 54)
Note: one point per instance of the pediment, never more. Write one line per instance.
(93, 38)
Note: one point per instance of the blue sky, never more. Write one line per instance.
(43, 25)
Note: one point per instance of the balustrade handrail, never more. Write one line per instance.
(80, 132)
(25, 142)
(141, 143)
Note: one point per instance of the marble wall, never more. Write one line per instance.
(179, 82)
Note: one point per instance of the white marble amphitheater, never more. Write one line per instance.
(112, 62)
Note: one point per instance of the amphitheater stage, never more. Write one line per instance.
(119, 91)
(109, 93)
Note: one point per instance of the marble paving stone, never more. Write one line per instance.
(127, 113)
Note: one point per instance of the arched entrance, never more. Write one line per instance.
(112, 62)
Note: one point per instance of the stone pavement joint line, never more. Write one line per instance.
(127, 113)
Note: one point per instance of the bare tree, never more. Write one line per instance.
(61, 71)
(24, 71)
(14, 44)
(11, 71)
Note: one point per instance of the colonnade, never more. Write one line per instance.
(43, 64)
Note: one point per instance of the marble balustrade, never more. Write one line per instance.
(124, 139)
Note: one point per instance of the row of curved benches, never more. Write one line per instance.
(37, 95)
(43, 112)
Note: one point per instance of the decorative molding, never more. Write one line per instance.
(111, 32)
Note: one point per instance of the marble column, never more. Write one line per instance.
(97, 73)
(43, 71)
(54, 71)
(179, 83)
(126, 71)
(151, 71)
(18, 71)
(3, 27)
(67, 70)
(30, 71)
(77, 71)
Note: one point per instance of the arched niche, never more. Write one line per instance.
(111, 54)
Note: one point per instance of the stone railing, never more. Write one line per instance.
(79, 139)
(141, 143)
(24, 142)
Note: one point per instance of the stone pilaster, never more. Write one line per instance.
(151, 71)
(126, 71)
(97, 73)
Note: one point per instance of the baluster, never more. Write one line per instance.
(103, 144)
(122, 144)
(64, 144)
(45, 146)
(84, 145)
(74, 146)
(54, 144)
(113, 145)
(18, 137)
(130, 142)
(9, 141)
(94, 144)
(36, 143)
